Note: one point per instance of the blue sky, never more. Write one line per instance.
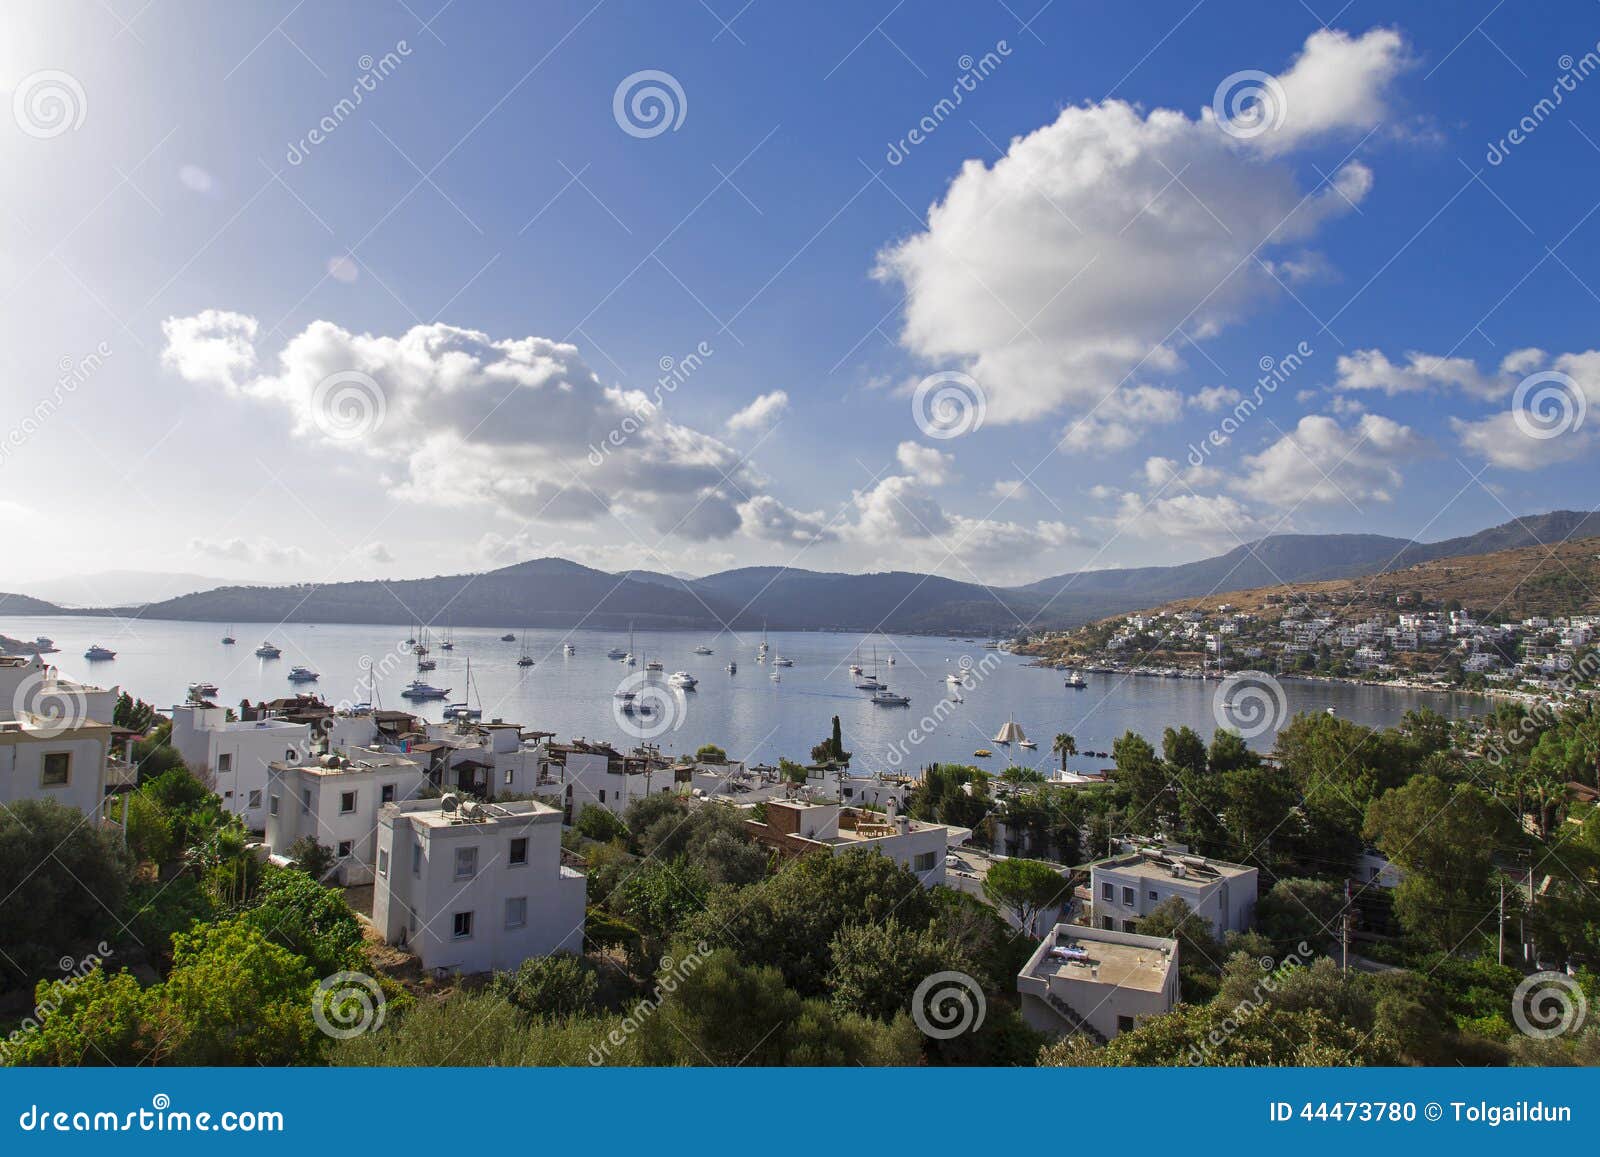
(488, 261)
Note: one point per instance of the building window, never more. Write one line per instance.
(1107, 923)
(1108, 892)
(463, 926)
(255, 799)
(519, 851)
(466, 863)
(516, 911)
(602, 795)
(305, 800)
(1124, 1024)
(923, 862)
(416, 859)
(1129, 897)
(57, 770)
(289, 755)
(346, 848)
(387, 795)
(1153, 894)
(273, 806)
(383, 863)
(1129, 925)
(225, 762)
(347, 802)
(509, 776)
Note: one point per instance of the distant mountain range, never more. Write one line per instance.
(553, 592)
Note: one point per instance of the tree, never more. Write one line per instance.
(710, 753)
(1443, 838)
(1064, 746)
(1024, 888)
(877, 967)
(559, 986)
(307, 918)
(97, 1019)
(645, 812)
(1297, 910)
(314, 859)
(600, 823)
(1200, 957)
(831, 750)
(235, 998)
(62, 877)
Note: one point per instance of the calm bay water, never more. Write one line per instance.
(751, 716)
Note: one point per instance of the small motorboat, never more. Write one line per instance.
(982, 753)
(303, 675)
(702, 649)
(97, 653)
(427, 664)
(44, 645)
(870, 683)
(683, 679)
(568, 649)
(733, 668)
(508, 637)
(201, 690)
(525, 661)
(655, 665)
(1076, 681)
(884, 697)
(462, 711)
(1027, 743)
(780, 661)
(418, 690)
(953, 679)
(268, 651)
(616, 653)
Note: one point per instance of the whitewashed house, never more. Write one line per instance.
(336, 799)
(233, 756)
(1102, 982)
(475, 887)
(1126, 887)
(799, 827)
(56, 736)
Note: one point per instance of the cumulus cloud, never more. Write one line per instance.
(1006, 489)
(1552, 420)
(458, 418)
(377, 552)
(257, 551)
(929, 466)
(1117, 421)
(765, 518)
(1218, 521)
(1214, 398)
(1321, 461)
(759, 414)
(1071, 264)
(1372, 370)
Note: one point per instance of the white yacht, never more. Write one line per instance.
(1076, 681)
(268, 651)
(780, 661)
(568, 649)
(202, 690)
(683, 679)
(97, 653)
(655, 665)
(303, 675)
(616, 653)
(884, 697)
(631, 703)
(418, 690)
(702, 649)
(733, 667)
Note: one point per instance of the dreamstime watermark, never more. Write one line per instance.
(1549, 1004)
(48, 103)
(71, 373)
(49, 1003)
(947, 1004)
(973, 73)
(54, 707)
(646, 708)
(1548, 404)
(1249, 103)
(643, 407)
(373, 72)
(347, 1004)
(1251, 703)
(949, 404)
(671, 974)
(1573, 73)
(348, 405)
(1200, 1054)
(648, 103)
(972, 674)
(1274, 373)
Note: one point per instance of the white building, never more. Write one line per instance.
(55, 736)
(473, 887)
(587, 774)
(800, 826)
(1126, 887)
(1103, 982)
(335, 799)
(234, 756)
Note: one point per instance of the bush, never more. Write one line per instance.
(599, 823)
(560, 985)
(308, 919)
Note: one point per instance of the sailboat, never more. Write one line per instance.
(449, 641)
(523, 660)
(869, 682)
(465, 710)
(1011, 733)
(228, 640)
(761, 651)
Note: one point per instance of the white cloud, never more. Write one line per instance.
(460, 419)
(377, 552)
(256, 551)
(1117, 421)
(930, 467)
(1007, 489)
(764, 517)
(1214, 398)
(344, 268)
(759, 414)
(1372, 370)
(1321, 461)
(1565, 414)
(1071, 264)
(197, 180)
(1218, 521)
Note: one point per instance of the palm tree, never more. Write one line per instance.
(1064, 746)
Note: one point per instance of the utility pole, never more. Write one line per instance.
(1344, 930)
(1502, 955)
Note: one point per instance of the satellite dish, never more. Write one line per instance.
(450, 802)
